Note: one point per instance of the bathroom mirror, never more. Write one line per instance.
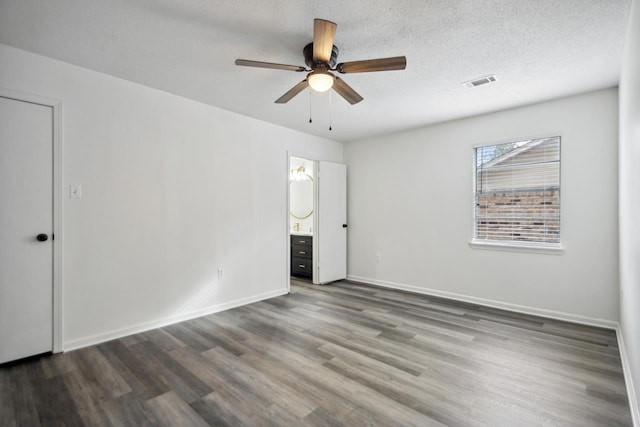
(301, 197)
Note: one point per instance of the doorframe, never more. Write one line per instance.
(313, 159)
(58, 204)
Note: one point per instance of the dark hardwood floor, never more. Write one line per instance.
(342, 354)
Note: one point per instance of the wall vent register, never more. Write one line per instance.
(479, 82)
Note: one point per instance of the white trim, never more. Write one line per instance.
(315, 243)
(58, 221)
(628, 379)
(287, 271)
(159, 323)
(551, 314)
(515, 247)
(58, 206)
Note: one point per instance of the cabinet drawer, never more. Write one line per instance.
(301, 240)
(301, 266)
(301, 251)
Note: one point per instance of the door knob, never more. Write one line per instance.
(42, 237)
(344, 225)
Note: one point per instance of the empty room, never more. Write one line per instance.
(386, 213)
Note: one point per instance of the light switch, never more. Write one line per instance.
(75, 191)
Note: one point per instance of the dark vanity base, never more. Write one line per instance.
(301, 256)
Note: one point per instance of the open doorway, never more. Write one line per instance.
(317, 220)
(301, 217)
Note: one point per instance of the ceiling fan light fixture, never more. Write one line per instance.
(320, 80)
(321, 57)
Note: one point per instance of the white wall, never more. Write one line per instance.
(172, 190)
(630, 204)
(410, 201)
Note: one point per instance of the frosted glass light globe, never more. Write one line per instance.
(320, 81)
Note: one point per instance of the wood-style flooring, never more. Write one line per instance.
(337, 355)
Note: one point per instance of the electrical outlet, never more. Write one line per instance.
(378, 257)
(220, 273)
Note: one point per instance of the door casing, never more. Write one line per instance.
(315, 272)
(312, 158)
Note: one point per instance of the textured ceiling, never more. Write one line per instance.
(539, 50)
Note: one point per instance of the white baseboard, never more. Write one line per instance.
(159, 323)
(626, 369)
(551, 314)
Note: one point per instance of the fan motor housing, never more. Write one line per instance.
(308, 57)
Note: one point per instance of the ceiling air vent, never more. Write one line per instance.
(481, 81)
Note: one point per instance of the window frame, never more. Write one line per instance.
(511, 245)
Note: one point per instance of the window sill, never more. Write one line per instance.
(514, 247)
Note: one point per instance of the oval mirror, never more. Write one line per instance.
(301, 198)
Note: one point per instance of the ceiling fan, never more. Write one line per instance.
(321, 56)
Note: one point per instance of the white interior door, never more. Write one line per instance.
(331, 262)
(26, 201)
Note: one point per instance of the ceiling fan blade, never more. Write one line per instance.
(381, 64)
(292, 92)
(260, 64)
(346, 91)
(323, 34)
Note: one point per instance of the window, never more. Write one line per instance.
(517, 193)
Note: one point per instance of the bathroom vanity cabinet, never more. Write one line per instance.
(301, 255)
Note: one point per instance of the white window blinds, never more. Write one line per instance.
(517, 192)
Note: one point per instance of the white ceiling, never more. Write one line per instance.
(538, 49)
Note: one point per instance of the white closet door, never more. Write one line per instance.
(26, 211)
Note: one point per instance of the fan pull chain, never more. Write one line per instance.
(330, 109)
(310, 121)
